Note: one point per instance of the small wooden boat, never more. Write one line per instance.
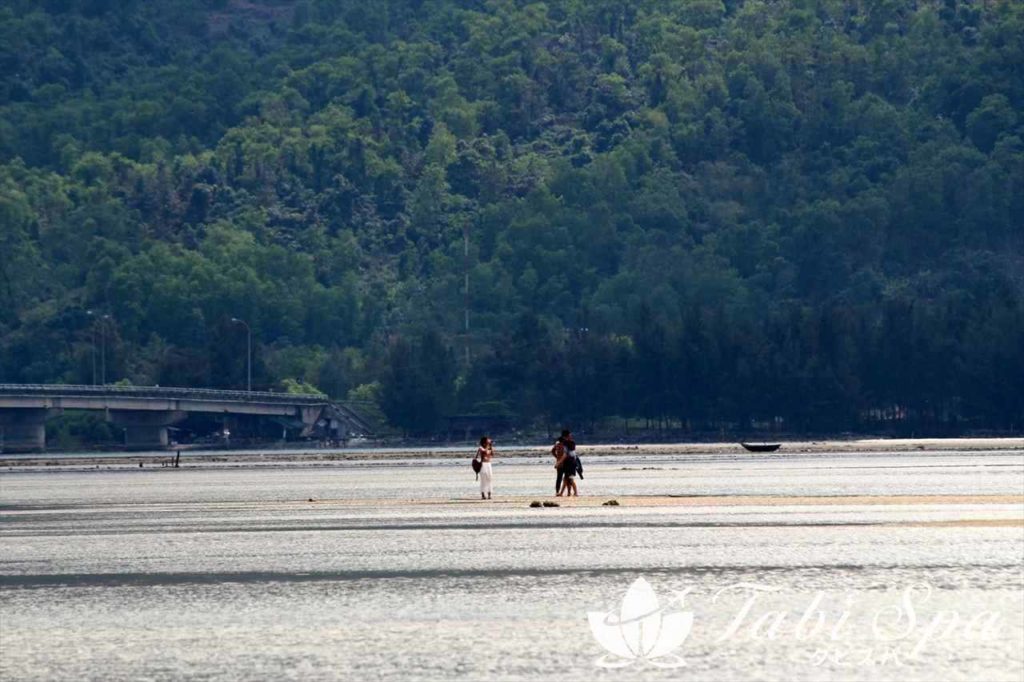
(761, 447)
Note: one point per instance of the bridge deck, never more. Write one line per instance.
(150, 409)
(158, 392)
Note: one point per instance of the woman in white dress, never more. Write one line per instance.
(485, 453)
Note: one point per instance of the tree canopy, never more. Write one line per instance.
(705, 211)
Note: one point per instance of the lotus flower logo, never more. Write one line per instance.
(641, 630)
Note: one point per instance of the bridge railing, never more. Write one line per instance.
(157, 392)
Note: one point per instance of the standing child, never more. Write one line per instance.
(569, 469)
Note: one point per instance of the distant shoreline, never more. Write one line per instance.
(163, 459)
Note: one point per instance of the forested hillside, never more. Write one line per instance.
(705, 211)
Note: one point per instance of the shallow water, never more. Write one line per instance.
(232, 573)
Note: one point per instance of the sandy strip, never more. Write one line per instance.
(694, 501)
(964, 523)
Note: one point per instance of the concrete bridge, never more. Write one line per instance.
(145, 413)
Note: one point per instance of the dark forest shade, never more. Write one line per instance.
(704, 211)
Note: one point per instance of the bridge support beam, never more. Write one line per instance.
(310, 415)
(24, 430)
(145, 430)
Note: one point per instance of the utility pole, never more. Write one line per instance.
(465, 288)
(248, 352)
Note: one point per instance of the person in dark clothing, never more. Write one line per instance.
(567, 465)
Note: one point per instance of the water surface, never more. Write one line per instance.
(394, 571)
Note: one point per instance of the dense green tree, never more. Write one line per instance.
(707, 213)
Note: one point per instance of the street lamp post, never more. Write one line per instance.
(248, 354)
(103, 349)
(103, 319)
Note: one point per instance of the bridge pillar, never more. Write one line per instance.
(145, 430)
(310, 415)
(23, 430)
